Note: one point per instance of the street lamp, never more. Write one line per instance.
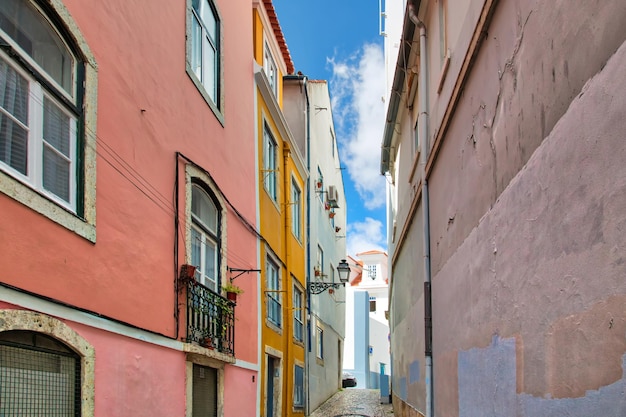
(344, 273)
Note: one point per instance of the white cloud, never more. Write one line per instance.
(357, 88)
(364, 236)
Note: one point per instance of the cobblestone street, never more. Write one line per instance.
(354, 403)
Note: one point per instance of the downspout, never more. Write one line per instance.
(288, 363)
(307, 313)
(424, 150)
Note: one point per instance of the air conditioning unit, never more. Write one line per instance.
(332, 196)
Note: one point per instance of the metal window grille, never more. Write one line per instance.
(38, 381)
(210, 319)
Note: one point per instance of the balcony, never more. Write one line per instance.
(210, 318)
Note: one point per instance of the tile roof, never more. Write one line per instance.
(280, 38)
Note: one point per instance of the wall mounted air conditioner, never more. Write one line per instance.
(333, 196)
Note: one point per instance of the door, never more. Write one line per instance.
(269, 411)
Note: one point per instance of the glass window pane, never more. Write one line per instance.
(209, 20)
(56, 127)
(203, 209)
(210, 269)
(13, 92)
(32, 32)
(56, 173)
(13, 144)
(196, 47)
(210, 69)
(196, 251)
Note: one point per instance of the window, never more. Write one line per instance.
(332, 142)
(204, 391)
(416, 142)
(269, 163)
(371, 271)
(274, 305)
(296, 210)
(319, 350)
(372, 304)
(319, 265)
(203, 49)
(319, 186)
(443, 46)
(38, 373)
(298, 387)
(298, 314)
(205, 242)
(269, 66)
(43, 80)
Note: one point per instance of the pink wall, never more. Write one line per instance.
(242, 401)
(127, 380)
(128, 274)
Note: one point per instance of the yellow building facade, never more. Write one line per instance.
(282, 178)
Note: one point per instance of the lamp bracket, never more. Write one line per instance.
(320, 287)
(241, 272)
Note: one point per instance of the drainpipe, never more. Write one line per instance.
(424, 150)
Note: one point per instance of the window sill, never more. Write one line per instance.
(46, 207)
(273, 326)
(212, 105)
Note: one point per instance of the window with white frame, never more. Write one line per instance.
(298, 314)
(269, 66)
(269, 163)
(40, 104)
(274, 304)
(298, 387)
(319, 264)
(204, 49)
(205, 241)
(319, 345)
(296, 210)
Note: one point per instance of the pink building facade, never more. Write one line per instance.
(127, 153)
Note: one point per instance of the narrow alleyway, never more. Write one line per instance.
(354, 403)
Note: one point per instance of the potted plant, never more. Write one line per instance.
(331, 214)
(231, 290)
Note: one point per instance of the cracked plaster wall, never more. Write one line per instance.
(537, 257)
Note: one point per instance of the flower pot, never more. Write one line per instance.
(232, 296)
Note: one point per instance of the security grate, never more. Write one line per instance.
(36, 380)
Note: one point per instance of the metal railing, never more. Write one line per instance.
(210, 319)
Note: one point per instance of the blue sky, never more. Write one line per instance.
(339, 41)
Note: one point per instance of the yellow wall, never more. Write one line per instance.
(286, 250)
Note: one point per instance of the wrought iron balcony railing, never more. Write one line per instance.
(210, 319)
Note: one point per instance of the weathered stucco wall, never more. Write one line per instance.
(535, 58)
(530, 305)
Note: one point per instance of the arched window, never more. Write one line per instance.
(205, 237)
(39, 375)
